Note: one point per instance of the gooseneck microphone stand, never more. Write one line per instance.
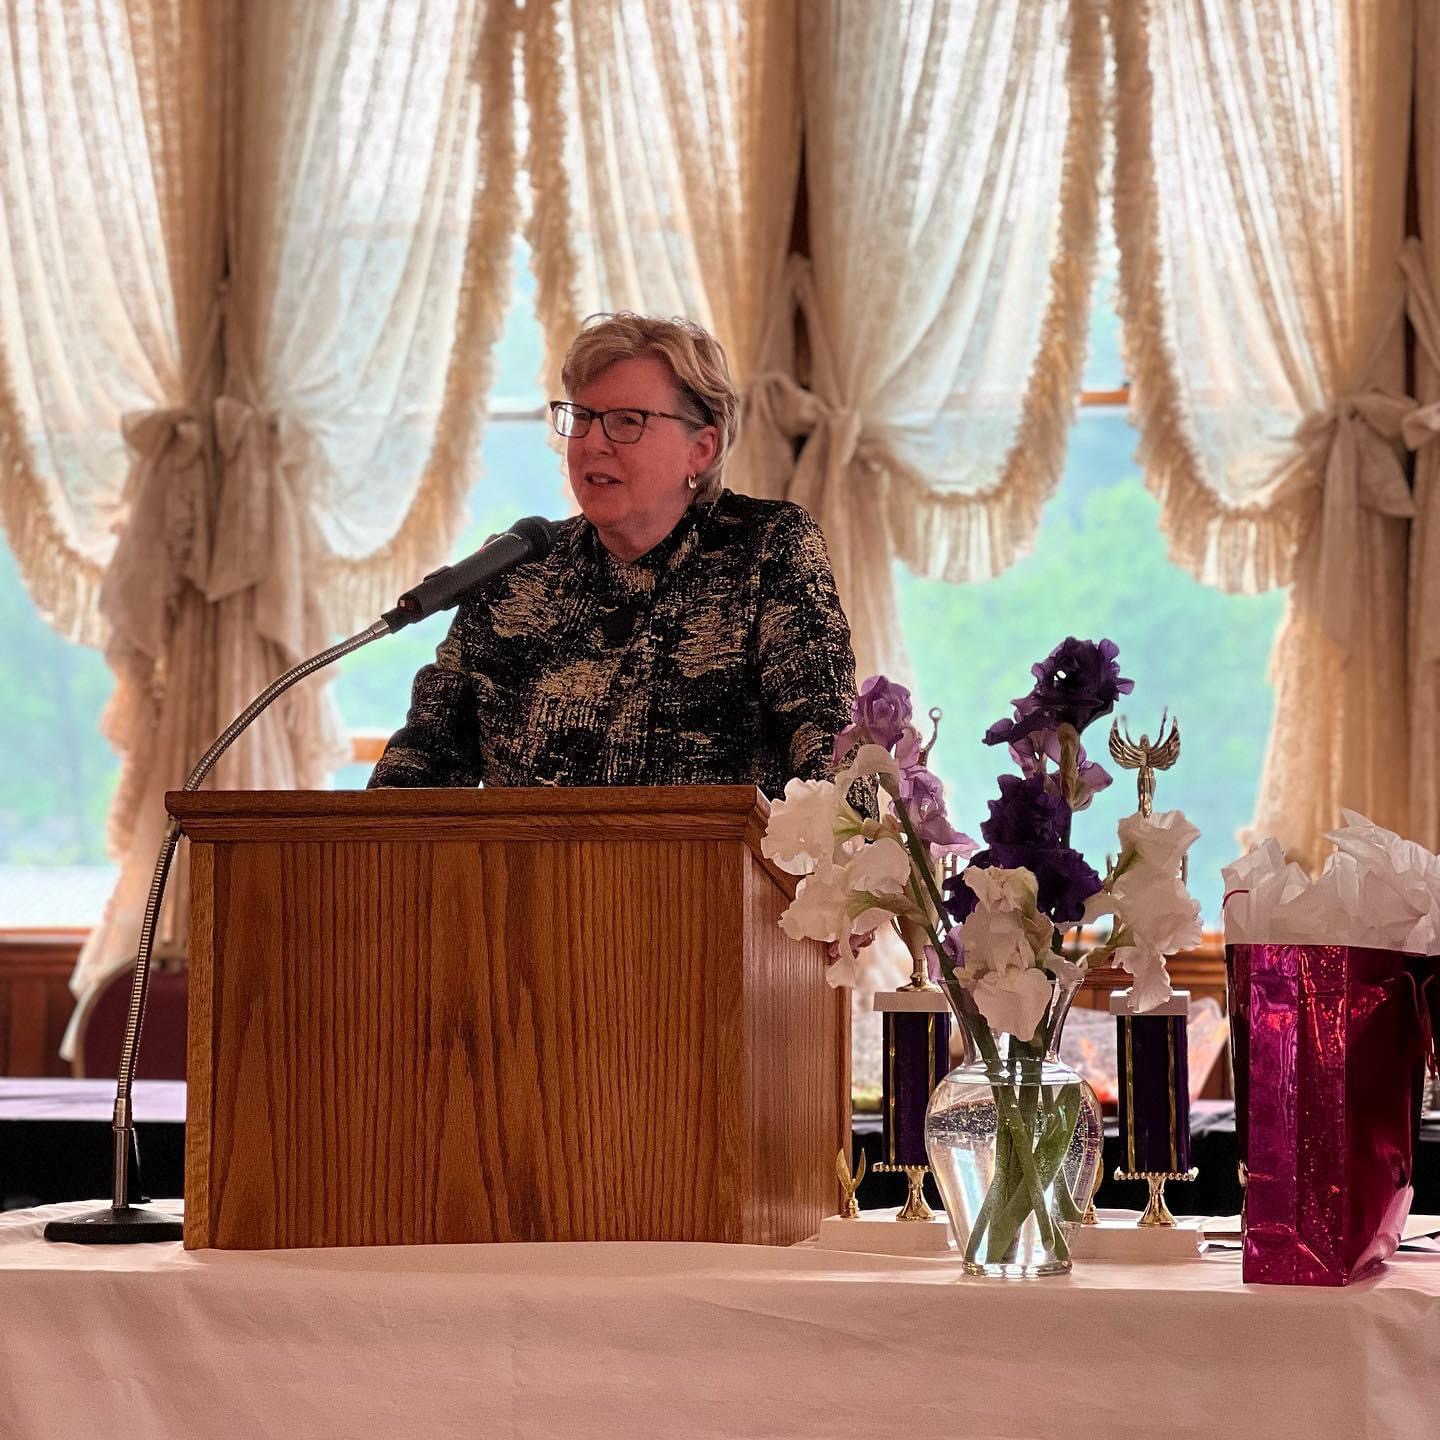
(121, 1223)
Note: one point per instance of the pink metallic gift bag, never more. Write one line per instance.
(1329, 1044)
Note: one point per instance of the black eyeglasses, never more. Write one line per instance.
(624, 426)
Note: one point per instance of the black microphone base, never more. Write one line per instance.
(128, 1225)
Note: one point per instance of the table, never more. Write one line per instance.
(695, 1341)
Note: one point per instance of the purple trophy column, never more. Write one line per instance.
(1153, 1072)
(915, 1058)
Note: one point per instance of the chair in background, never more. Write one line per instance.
(100, 1027)
(1088, 1045)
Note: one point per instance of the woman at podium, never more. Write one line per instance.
(677, 633)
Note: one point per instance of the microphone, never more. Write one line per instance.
(530, 539)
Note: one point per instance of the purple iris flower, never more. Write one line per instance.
(925, 804)
(1005, 732)
(1029, 825)
(1063, 880)
(1027, 813)
(1077, 683)
(1029, 828)
(879, 716)
(1092, 776)
(1030, 752)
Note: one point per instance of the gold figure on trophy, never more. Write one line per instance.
(1146, 757)
(848, 1185)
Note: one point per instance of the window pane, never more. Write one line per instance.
(1105, 360)
(1099, 569)
(520, 475)
(520, 353)
(58, 772)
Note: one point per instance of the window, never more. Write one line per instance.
(59, 771)
(1099, 568)
(519, 474)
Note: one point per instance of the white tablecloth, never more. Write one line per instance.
(691, 1341)
(65, 1098)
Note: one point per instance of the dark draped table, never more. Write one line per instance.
(55, 1139)
(55, 1146)
(1213, 1152)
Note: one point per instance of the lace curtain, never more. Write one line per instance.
(1422, 433)
(664, 154)
(242, 404)
(111, 331)
(1260, 202)
(359, 348)
(953, 152)
(110, 327)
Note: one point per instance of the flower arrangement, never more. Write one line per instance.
(875, 845)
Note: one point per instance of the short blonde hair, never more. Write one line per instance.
(702, 374)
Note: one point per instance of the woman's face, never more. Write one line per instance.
(634, 494)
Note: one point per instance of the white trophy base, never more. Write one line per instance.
(878, 1232)
(1117, 1237)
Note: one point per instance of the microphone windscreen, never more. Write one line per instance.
(539, 532)
(525, 541)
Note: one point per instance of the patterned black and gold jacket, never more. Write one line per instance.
(721, 656)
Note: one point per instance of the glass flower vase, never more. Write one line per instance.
(1014, 1138)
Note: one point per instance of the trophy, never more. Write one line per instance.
(849, 1184)
(1152, 1057)
(915, 1046)
(916, 1055)
(1154, 1076)
(915, 1049)
(1152, 1045)
(1145, 757)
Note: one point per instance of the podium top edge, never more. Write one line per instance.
(663, 813)
(743, 805)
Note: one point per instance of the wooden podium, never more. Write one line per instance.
(436, 1016)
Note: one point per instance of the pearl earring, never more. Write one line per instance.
(692, 482)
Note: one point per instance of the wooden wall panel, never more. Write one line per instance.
(35, 1002)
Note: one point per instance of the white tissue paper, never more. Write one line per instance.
(1376, 890)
